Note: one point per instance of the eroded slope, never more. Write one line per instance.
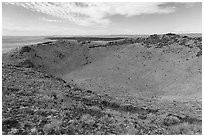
(133, 86)
(167, 66)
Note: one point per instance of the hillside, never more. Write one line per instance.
(137, 85)
(167, 66)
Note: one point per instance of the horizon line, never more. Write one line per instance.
(101, 34)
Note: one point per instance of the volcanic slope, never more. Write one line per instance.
(168, 71)
(58, 57)
(165, 66)
(154, 83)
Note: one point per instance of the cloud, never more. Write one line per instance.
(190, 4)
(88, 14)
(50, 20)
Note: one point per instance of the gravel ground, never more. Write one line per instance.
(35, 103)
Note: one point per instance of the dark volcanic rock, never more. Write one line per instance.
(25, 49)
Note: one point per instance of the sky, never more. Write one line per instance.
(77, 18)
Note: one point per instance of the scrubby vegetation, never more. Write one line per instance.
(35, 103)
